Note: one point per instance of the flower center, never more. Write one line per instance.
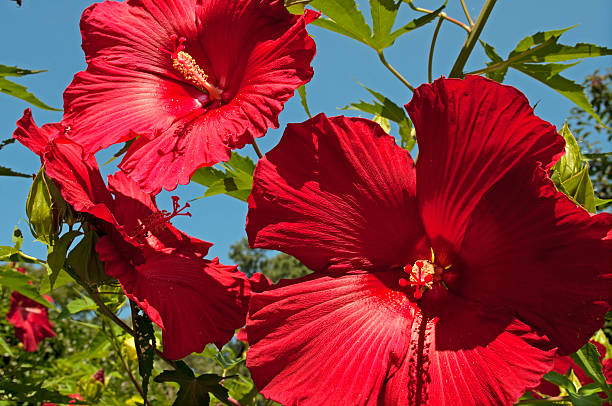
(156, 221)
(187, 66)
(421, 276)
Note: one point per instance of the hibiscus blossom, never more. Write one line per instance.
(30, 319)
(451, 281)
(194, 300)
(194, 78)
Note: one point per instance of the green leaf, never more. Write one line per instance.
(590, 400)
(194, 391)
(15, 280)
(302, 92)
(587, 358)
(16, 71)
(572, 91)
(590, 389)
(83, 263)
(9, 172)
(571, 162)
(536, 39)
(596, 155)
(144, 341)
(560, 52)
(80, 305)
(56, 255)
(343, 17)
(6, 142)
(32, 393)
(385, 107)
(5, 348)
(236, 180)
(414, 24)
(561, 381)
(601, 202)
(6, 252)
(21, 92)
(383, 14)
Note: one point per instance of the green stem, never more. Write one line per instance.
(471, 39)
(431, 49)
(381, 56)
(467, 14)
(557, 400)
(442, 14)
(113, 317)
(127, 367)
(504, 64)
(257, 150)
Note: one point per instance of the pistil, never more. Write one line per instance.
(187, 66)
(155, 221)
(421, 276)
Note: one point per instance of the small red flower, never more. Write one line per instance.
(30, 319)
(194, 78)
(158, 266)
(451, 281)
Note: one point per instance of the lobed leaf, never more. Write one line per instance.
(236, 180)
(15, 280)
(21, 92)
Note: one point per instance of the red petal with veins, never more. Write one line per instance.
(30, 320)
(254, 51)
(337, 194)
(327, 340)
(470, 133)
(195, 301)
(530, 249)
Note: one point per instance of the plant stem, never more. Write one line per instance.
(113, 317)
(257, 150)
(467, 14)
(381, 56)
(471, 39)
(127, 368)
(431, 49)
(442, 14)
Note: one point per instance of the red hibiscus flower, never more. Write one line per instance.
(195, 78)
(31, 321)
(194, 300)
(445, 282)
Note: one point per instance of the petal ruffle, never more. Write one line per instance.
(470, 133)
(173, 156)
(195, 301)
(33, 137)
(316, 333)
(530, 249)
(338, 194)
(468, 355)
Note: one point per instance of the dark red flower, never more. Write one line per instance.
(195, 78)
(194, 300)
(30, 319)
(448, 282)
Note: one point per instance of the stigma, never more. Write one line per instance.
(187, 66)
(156, 221)
(420, 277)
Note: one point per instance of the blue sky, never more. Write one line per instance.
(44, 34)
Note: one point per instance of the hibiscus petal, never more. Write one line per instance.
(78, 179)
(30, 320)
(106, 104)
(470, 133)
(195, 301)
(531, 249)
(33, 137)
(134, 207)
(321, 332)
(129, 34)
(174, 155)
(468, 355)
(337, 194)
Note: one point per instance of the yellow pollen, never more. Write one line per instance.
(187, 66)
